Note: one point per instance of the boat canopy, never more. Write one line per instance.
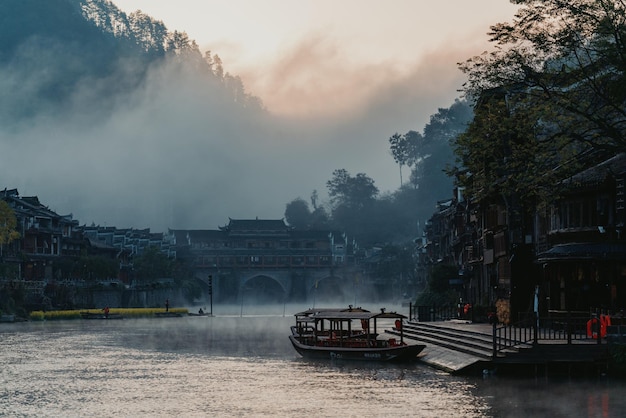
(347, 314)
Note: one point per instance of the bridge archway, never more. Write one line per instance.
(262, 289)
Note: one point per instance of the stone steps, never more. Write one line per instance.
(469, 342)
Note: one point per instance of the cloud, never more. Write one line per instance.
(177, 153)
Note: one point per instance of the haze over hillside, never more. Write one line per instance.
(116, 119)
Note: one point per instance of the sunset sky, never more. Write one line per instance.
(293, 54)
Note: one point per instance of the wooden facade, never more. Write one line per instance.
(575, 252)
(258, 244)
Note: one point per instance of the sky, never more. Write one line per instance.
(337, 79)
(294, 54)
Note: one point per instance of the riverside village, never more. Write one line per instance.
(541, 290)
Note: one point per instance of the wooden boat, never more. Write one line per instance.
(7, 318)
(350, 334)
(92, 315)
(198, 314)
(168, 315)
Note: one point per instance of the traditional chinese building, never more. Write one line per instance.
(265, 254)
(583, 261)
(574, 253)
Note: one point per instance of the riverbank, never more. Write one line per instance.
(112, 313)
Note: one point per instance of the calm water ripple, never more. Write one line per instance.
(234, 367)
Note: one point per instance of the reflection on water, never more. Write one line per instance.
(245, 366)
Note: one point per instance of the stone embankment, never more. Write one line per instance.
(463, 347)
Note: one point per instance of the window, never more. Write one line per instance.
(225, 261)
(489, 241)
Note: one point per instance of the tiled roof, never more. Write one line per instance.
(257, 225)
(585, 251)
(598, 174)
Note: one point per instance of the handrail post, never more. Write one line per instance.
(535, 328)
(569, 326)
(495, 344)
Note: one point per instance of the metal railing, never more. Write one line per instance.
(561, 327)
(432, 313)
(532, 330)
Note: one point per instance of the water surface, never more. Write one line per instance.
(245, 366)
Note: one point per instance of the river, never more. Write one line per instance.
(244, 366)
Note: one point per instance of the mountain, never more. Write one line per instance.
(114, 118)
(52, 49)
(49, 48)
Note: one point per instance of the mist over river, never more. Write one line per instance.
(240, 363)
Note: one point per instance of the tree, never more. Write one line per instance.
(353, 203)
(403, 149)
(152, 264)
(148, 33)
(500, 155)
(439, 292)
(8, 224)
(298, 214)
(94, 268)
(448, 123)
(552, 90)
(565, 60)
(429, 154)
(353, 192)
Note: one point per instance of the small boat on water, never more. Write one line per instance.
(92, 315)
(350, 334)
(168, 314)
(7, 318)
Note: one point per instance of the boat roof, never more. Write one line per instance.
(315, 311)
(347, 314)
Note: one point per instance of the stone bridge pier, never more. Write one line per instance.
(270, 286)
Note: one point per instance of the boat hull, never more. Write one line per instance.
(397, 353)
(168, 315)
(88, 315)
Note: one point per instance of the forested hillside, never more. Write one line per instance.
(54, 51)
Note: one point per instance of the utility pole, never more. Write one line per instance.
(211, 292)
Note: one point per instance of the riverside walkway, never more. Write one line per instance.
(463, 347)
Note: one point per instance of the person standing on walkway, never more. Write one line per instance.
(167, 305)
